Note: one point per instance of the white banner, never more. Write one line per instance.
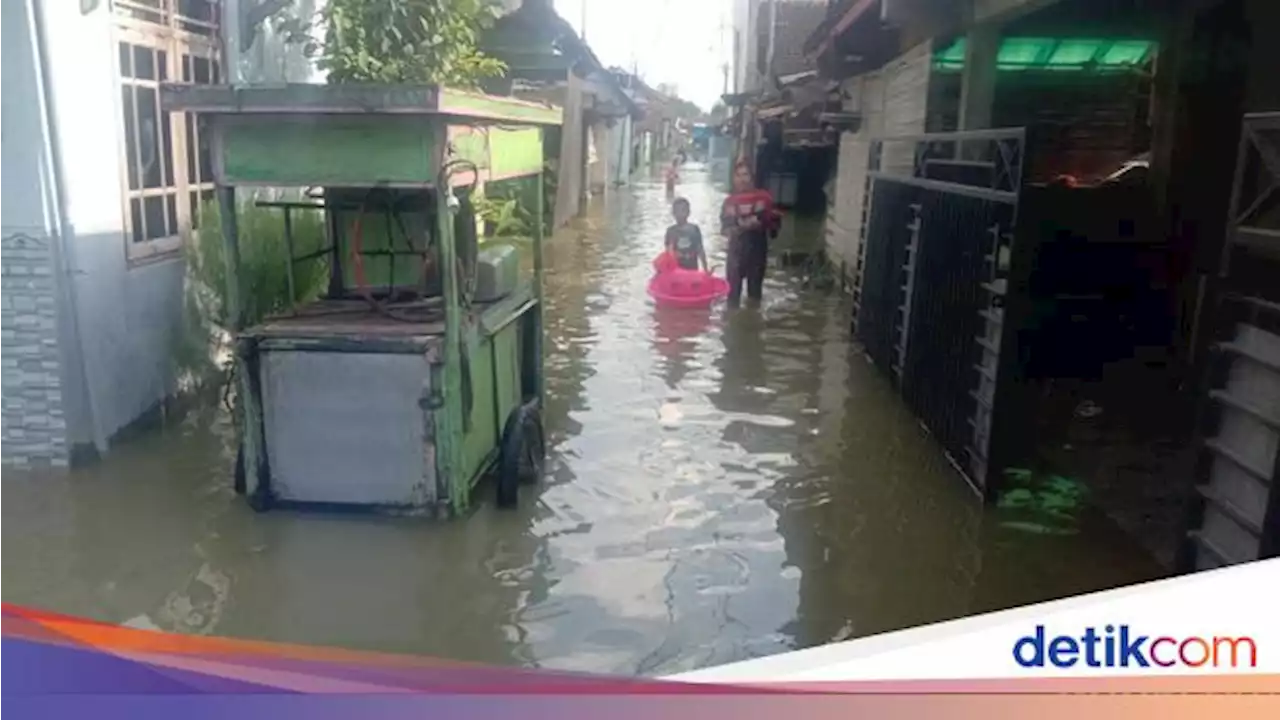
(1217, 622)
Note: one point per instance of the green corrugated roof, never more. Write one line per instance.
(1036, 53)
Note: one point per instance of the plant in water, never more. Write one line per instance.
(550, 184)
(503, 217)
(201, 347)
(508, 207)
(1044, 505)
(398, 41)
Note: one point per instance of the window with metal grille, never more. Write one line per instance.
(167, 166)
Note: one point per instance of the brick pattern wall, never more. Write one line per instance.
(892, 102)
(1081, 124)
(797, 19)
(906, 98)
(34, 427)
(844, 215)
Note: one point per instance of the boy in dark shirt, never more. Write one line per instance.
(684, 239)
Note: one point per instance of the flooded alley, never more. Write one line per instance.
(720, 486)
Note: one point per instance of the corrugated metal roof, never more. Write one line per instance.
(838, 16)
(796, 21)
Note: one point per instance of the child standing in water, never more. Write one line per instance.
(684, 239)
(747, 218)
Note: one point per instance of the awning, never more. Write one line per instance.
(1063, 54)
(843, 121)
(738, 99)
(808, 137)
(792, 79)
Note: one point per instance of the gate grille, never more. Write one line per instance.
(930, 309)
(1235, 515)
(944, 377)
(888, 236)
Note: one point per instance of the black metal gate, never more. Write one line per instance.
(930, 311)
(1235, 516)
(889, 237)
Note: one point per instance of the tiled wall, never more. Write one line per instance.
(34, 424)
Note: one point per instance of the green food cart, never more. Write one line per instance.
(418, 371)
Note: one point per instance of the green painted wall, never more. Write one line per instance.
(496, 107)
(468, 143)
(506, 352)
(482, 435)
(328, 150)
(504, 152)
(515, 152)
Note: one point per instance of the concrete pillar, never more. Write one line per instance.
(230, 22)
(978, 83)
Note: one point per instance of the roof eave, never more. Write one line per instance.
(825, 35)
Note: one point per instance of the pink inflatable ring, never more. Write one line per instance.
(687, 288)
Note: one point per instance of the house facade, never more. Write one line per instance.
(1016, 280)
(746, 72)
(768, 47)
(101, 191)
(546, 60)
(622, 138)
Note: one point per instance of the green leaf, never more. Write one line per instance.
(430, 41)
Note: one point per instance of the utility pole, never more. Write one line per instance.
(724, 66)
(584, 21)
(773, 32)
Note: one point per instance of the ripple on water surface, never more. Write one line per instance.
(720, 486)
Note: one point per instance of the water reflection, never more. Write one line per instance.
(720, 486)
(676, 334)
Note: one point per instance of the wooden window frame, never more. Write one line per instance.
(165, 31)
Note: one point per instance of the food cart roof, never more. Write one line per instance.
(306, 98)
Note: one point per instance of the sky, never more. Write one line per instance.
(682, 42)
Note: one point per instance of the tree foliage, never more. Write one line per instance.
(399, 41)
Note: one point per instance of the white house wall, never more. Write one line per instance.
(126, 316)
(843, 215)
(745, 22)
(114, 347)
(892, 101)
(619, 148)
(865, 96)
(906, 99)
(38, 391)
(570, 178)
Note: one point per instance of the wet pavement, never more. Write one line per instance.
(721, 486)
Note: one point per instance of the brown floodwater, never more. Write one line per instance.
(720, 487)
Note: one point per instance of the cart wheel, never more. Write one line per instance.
(239, 470)
(523, 454)
(534, 459)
